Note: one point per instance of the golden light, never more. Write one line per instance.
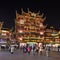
(20, 38)
(41, 25)
(20, 31)
(41, 33)
(4, 32)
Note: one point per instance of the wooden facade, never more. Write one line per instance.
(29, 27)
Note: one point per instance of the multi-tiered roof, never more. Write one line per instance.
(29, 25)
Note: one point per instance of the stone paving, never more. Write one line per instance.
(6, 55)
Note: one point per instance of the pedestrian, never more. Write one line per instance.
(58, 48)
(37, 50)
(40, 50)
(12, 49)
(24, 49)
(28, 49)
(33, 50)
(47, 50)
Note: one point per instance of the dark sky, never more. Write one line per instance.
(51, 10)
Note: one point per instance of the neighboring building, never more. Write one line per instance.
(4, 32)
(29, 27)
(52, 36)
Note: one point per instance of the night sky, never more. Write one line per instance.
(51, 10)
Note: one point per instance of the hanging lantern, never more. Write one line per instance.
(20, 31)
(42, 33)
(41, 25)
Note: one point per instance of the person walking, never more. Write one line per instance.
(47, 50)
(40, 50)
(12, 49)
(28, 49)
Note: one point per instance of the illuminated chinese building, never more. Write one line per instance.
(4, 32)
(29, 26)
(52, 36)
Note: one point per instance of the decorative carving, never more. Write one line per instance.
(33, 23)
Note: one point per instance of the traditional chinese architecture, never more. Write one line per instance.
(52, 35)
(4, 32)
(29, 26)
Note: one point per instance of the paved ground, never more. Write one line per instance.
(5, 55)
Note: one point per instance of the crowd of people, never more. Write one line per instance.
(37, 48)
